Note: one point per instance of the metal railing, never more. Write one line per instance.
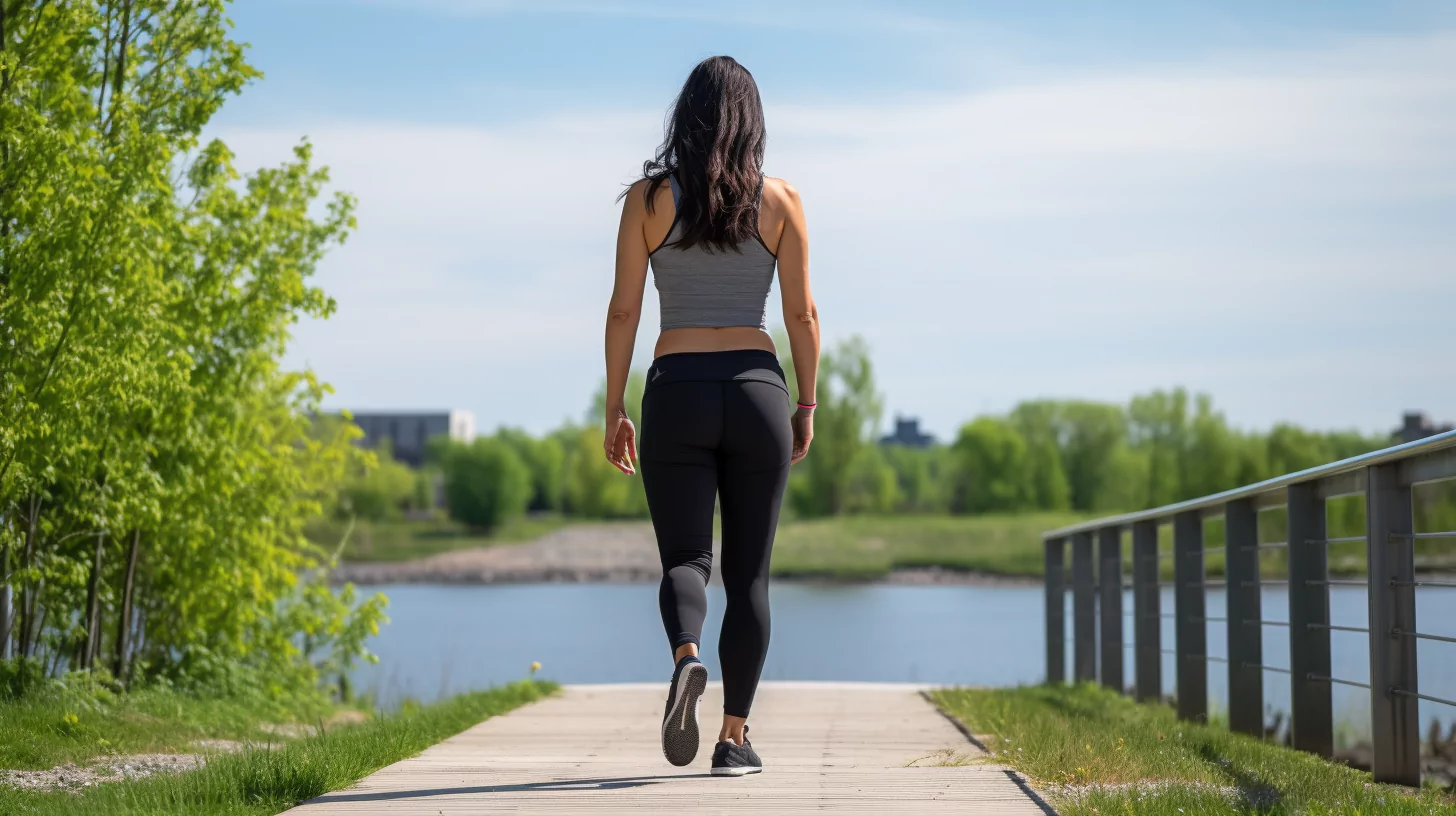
(1385, 477)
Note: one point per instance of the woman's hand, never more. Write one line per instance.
(803, 424)
(620, 442)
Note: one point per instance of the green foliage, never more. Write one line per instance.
(849, 409)
(486, 483)
(993, 469)
(1097, 752)
(873, 486)
(1162, 448)
(1046, 479)
(923, 476)
(157, 463)
(593, 487)
(545, 458)
(382, 491)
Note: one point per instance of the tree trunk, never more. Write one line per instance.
(5, 620)
(93, 608)
(28, 595)
(39, 622)
(4, 568)
(123, 627)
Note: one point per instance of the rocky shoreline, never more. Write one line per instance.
(605, 554)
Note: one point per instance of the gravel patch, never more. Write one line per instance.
(579, 553)
(70, 777)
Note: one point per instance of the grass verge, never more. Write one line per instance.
(864, 547)
(403, 540)
(267, 781)
(1096, 752)
(77, 718)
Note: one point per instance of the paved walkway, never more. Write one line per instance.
(840, 747)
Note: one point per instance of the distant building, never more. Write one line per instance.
(410, 433)
(907, 433)
(1416, 425)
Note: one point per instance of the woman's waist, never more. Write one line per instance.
(713, 339)
(716, 365)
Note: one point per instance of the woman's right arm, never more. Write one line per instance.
(801, 318)
(623, 312)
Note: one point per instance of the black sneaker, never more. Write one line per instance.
(680, 718)
(736, 760)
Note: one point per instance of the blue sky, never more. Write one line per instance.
(1008, 200)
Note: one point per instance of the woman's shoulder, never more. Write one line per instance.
(781, 193)
(635, 199)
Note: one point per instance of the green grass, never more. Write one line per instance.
(404, 540)
(77, 719)
(864, 547)
(267, 781)
(1096, 752)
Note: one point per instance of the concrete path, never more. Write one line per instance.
(840, 747)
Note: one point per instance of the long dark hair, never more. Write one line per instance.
(714, 145)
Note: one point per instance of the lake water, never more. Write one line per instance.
(446, 639)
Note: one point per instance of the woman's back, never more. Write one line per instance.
(714, 299)
(703, 288)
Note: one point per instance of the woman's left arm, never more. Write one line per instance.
(623, 314)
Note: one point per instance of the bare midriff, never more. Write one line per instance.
(728, 338)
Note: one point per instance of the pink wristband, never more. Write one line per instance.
(808, 407)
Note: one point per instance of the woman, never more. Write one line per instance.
(716, 415)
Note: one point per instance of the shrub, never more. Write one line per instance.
(486, 483)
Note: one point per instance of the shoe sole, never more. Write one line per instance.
(735, 771)
(680, 727)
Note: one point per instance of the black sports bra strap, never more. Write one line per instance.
(676, 193)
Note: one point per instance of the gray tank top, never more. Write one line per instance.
(702, 289)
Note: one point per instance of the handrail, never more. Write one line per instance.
(1430, 444)
(1385, 477)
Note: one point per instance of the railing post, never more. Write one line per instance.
(1084, 610)
(1146, 606)
(1190, 629)
(1245, 635)
(1056, 609)
(1109, 580)
(1394, 718)
(1311, 721)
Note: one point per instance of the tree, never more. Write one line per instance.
(872, 486)
(1101, 471)
(379, 490)
(486, 483)
(993, 470)
(1037, 423)
(156, 462)
(594, 488)
(545, 458)
(923, 477)
(1158, 428)
(848, 411)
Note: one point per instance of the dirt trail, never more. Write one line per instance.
(624, 552)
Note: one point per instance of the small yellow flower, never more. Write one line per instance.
(70, 720)
(535, 666)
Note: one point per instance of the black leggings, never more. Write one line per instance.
(716, 424)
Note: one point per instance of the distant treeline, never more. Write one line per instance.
(1075, 455)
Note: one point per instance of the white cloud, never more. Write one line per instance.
(1254, 212)
(804, 15)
